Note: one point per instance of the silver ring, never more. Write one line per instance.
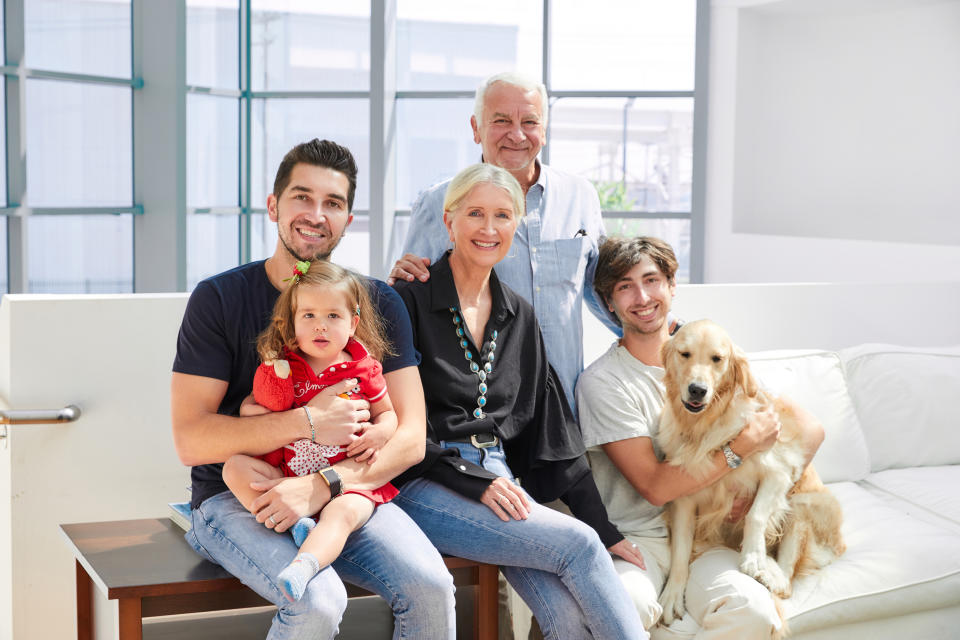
(270, 518)
(633, 544)
(502, 498)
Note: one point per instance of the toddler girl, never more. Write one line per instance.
(323, 330)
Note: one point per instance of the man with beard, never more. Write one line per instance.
(213, 374)
(621, 396)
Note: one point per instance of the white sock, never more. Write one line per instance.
(293, 580)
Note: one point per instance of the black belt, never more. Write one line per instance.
(480, 440)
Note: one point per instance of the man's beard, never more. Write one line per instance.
(322, 255)
(629, 327)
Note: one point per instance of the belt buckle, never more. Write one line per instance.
(486, 444)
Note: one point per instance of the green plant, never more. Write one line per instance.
(613, 195)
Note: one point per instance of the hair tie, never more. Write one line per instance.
(299, 269)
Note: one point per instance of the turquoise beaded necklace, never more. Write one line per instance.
(486, 356)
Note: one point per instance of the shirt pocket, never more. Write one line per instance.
(572, 259)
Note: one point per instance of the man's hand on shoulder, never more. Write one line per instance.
(409, 267)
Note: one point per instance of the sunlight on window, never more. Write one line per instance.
(616, 45)
(80, 254)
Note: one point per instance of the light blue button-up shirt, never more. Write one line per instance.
(550, 264)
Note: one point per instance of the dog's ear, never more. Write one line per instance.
(742, 373)
(665, 350)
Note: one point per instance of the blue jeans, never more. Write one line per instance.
(389, 556)
(556, 563)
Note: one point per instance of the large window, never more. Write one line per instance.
(69, 189)
(105, 183)
(620, 76)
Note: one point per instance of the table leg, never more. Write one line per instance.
(131, 622)
(84, 604)
(486, 609)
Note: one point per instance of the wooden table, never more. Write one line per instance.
(151, 570)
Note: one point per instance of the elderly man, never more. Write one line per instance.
(555, 247)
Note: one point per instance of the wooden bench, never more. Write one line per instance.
(151, 570)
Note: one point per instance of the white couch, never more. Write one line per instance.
(893, 460)
(890, 455)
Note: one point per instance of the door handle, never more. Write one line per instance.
(69, 413)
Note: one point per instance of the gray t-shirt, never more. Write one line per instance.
(619, 397)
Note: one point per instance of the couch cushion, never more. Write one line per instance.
(894, 564)
(927, 493)
(815, 381)
(905, 398)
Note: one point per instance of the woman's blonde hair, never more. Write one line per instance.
(475, 174)
(281, 333)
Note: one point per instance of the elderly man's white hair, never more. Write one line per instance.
(515, 79)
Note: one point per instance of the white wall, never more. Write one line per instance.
(111, 356)
(763, 317)
(833, 141)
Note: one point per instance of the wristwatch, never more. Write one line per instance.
(332, 478)
(733, 460)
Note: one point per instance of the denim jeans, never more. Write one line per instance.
(556, 563)
(389, 556)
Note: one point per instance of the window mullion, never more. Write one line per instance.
(699, 187)
(244, 137)
(17, 255)
(383, 92)
(159, 133)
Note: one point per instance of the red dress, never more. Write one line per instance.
(304, 456)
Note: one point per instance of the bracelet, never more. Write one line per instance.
(313, 431)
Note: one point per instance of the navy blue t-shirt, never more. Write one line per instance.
(218, 337)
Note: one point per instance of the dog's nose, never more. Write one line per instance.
(697, 391)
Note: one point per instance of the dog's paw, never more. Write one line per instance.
(753, 563)
(773, 578)
(785, 592)
(672, 602)
(650, 614)
(767, 572)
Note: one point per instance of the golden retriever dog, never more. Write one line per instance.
(710, 393)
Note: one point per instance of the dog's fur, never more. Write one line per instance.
(792, 516)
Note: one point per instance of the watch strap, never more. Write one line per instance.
(733, 460)
(333, 480)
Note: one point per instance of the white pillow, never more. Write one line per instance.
(815, 381)
(907, 402)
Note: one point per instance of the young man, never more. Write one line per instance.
(621, 397)
(555, 246)
(213, 374)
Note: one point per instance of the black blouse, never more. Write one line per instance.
(526, 406)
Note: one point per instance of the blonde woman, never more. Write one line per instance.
(496, 414)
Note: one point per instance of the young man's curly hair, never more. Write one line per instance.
(619, 255)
